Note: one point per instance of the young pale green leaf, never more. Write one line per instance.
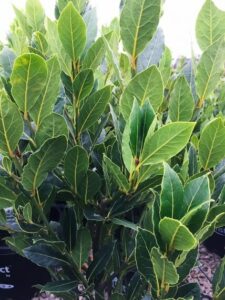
(172, 193)
(166, 142)
(76, 165)
(152, 53)
(7, 196)
(11, 125)
(22, 21)
(72, 31)
(83, 84)
(210, 25)
(144, 243)
(48, 97)
(210, 69)
(138, 23)
(212, 144)
(79, 4)
(95, 54)
(35, 14)
(82, 247)
(181, 104)
(146, 85)
(117, 175)
(93, 107)
(56, 47)
(164, 269)
(27, 212)
(51, 126)
(176, 235)
(43, 161)
(165, 65)
(28, 80)
(59, 286)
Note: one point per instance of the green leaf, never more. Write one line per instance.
(91, 21)
(166, 142)
(82, 247)
(95, 53)
(189, 262)
(11, 125)
(125, 224)
(117, 175)
(140, 121)
(189, 291)
(45, 255)
(135, 288)
(27, 212)
(59, 286)
(100, 261)
(164, 269)
(91, 184)
(210, 69)
(165, 66)
(172, 193)
(39, 42)
(181, 104)
(72, 31)
(43, 161)
(152, 53)
(210, 25)
(138, 23)
(79, 4)
(212, 144)
(196, 192)
(48, 97)
(7, 57)
(83, 84)
(69, 225)
(28, 80)
(56, 47)
(51, 126)
(93, 107)
(219, 281)
(7, 196)
(22, 21)
(176, 235)
(145, 241)
(146, 85)
(76, 166)
(35, 14)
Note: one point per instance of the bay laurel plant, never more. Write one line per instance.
(128, 145)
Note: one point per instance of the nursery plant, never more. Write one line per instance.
(129, 146)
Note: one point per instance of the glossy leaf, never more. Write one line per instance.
(82, 247)
(76, 165)
(90, 19)
(147, 85)
(138, 23)
(28, 80)
(210, 25)
(164, 269)
(11, 125)
(181, 105)
(83, 84)
(93, 107)
(43, 161)
(172, 193)
(166, 142)
(59, 286)
(165, 66)
(212, 143)
(210, 69)
(69, 225)
(72, 31)
(144, 243)
(176, 235)
(117, 175)
(7, 196)
(51, 126)
(90, 186)
(48, 97)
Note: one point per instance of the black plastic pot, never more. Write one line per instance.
(18, 275)
(216, 243)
